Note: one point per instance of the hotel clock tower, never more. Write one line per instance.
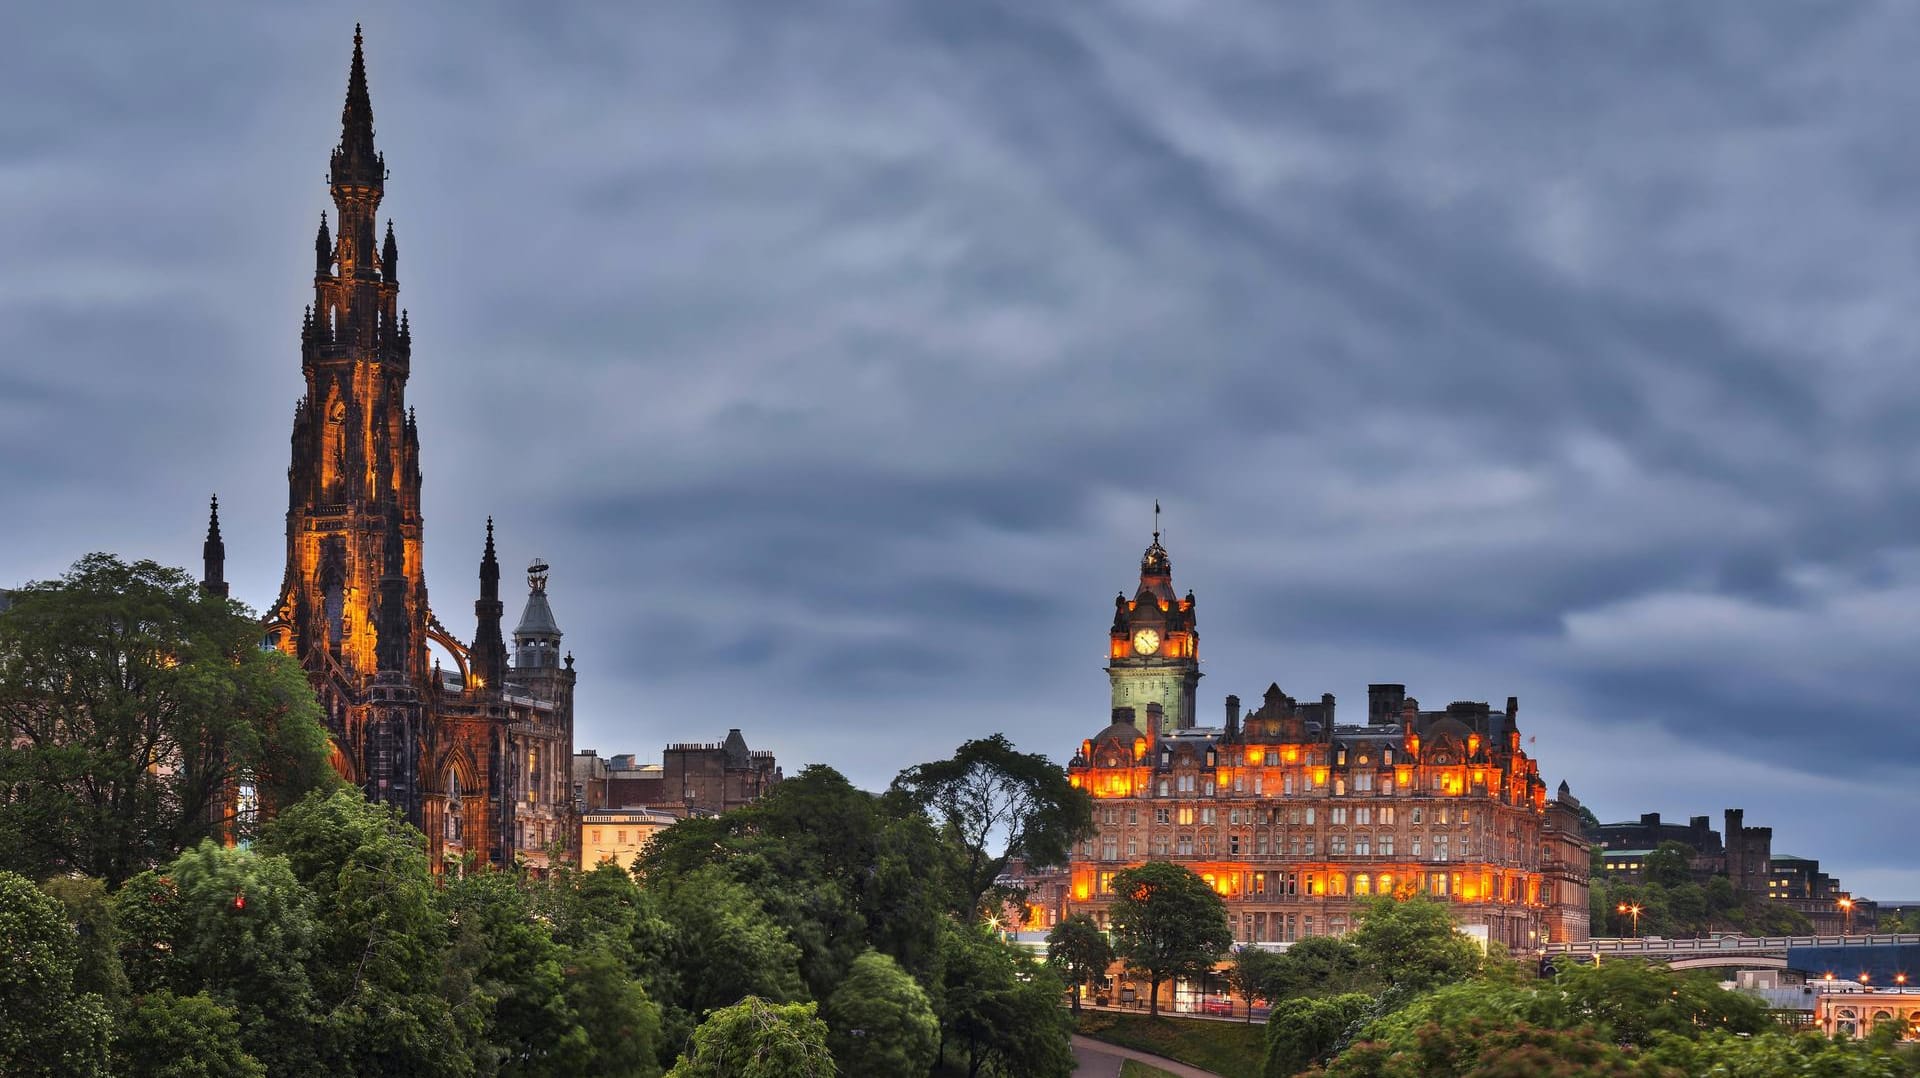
(1153, 649)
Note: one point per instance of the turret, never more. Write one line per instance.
(536, 640)
(323, 249)
(489, 654)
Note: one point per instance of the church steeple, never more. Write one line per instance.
(489, 653)
(213, 578)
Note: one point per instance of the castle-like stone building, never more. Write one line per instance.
(1295, 819)
(477, 756)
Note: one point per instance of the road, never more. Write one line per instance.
(1099, 1060)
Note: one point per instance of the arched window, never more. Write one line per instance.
(454, 807)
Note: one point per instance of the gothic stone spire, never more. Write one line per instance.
(214, 553)
(355, 161)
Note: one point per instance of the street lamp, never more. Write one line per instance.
(1846, 913)
(1634, 909)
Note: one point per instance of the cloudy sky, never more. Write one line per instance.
(835, 359)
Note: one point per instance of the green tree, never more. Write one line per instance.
(380, 937)
(1777, 1054)
(1080, 951)
(1304, 1030)
(1254, 974)
(1413, 944)
(880, 1022)
(725, 946)
(245, 935)
(169, 1036)
(97, 967)
(1002, 1007)
(1167, 922)
(758, 1039)
(47, 1030)
(991, 800)
(1318, 966)
(149, 924)
(1670, 865)
(1479, 1049)
(1631, 1001)
(131, 706)
(838, 868)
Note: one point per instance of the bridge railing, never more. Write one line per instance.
(1654, 945)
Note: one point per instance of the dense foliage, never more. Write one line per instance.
(132, 707)
(1167, 923)
(993, 801)
(170, 935)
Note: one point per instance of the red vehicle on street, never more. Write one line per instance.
(1217, 1006)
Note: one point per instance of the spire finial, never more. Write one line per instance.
(490, 555)
(355, 162)
(213, 580)
(1156, 520)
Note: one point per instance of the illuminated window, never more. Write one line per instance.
(1362, 884)
(1386, 815)
(1186, 815)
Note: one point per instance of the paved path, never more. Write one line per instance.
(1101, 1060)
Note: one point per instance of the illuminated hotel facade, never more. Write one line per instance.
(1297, 821)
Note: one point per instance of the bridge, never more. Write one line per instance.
(1731, 952)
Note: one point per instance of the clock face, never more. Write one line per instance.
(1146, 642)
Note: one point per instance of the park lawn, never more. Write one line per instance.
(1230, 1048)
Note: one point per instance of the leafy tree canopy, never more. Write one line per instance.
(758, 1039)
(1167, 922)
(46, 1028)
(1413, 944)
(131, 707)
(880, 1022)
(993, 800)
(1080, 951)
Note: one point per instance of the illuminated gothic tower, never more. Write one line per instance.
(353, 607)
(1154, 646)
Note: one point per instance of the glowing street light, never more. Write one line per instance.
(1634, 909)
(1846, 913)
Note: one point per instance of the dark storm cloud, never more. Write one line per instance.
(835, 357)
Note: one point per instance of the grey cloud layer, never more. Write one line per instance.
(835, 360)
